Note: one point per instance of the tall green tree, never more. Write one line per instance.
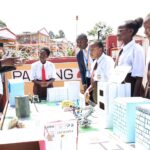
(100, 30)
(2, 24)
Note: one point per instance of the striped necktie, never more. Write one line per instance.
(43, 73)
(95, 66)
(116, 63)
(120, 52)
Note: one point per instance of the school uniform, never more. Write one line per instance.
(36, 74)
(145, 78)
(84, 62)
(105, 66)
(147, 66)
(132, 55)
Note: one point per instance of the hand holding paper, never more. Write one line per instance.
(119, 74)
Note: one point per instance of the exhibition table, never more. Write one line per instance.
(95, 137)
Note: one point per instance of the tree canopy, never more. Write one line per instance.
(100, 30)
(60, 34)
(51, 34)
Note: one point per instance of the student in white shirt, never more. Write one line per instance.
(146, 25)
(132, 54)
(101, 69)
(41, 85)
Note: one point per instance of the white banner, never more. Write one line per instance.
(62, 74)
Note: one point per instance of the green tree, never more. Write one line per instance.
(51, 34)
(100, 30)
(2, 24)
(57, 36)
(61, 34)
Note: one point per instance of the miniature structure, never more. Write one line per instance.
(82, 115)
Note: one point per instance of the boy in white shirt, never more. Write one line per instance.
(43, 74)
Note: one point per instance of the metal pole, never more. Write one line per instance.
(77, 25)
(99, 32)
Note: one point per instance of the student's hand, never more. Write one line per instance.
(44, 83)
(87, 96)
(10, 61)
(84, 87)
(50, 83)
(37, 82)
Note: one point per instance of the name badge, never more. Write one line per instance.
(88, 74)
(98, 77)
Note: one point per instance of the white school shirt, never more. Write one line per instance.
(85, 56)
(146, 66)
(148, 55)
(36, 70)
(133, 55)
(87, 59)
(105, 66)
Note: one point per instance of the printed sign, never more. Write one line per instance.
(61, 129)
(62, 74)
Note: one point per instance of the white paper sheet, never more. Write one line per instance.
(119, 73)
(128, 89)
(57, 94)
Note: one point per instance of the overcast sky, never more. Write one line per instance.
(32, 15)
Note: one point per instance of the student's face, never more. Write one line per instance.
(82, 43)
(43, 56)
(147, 28)
(123, 33)
(95, 51)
